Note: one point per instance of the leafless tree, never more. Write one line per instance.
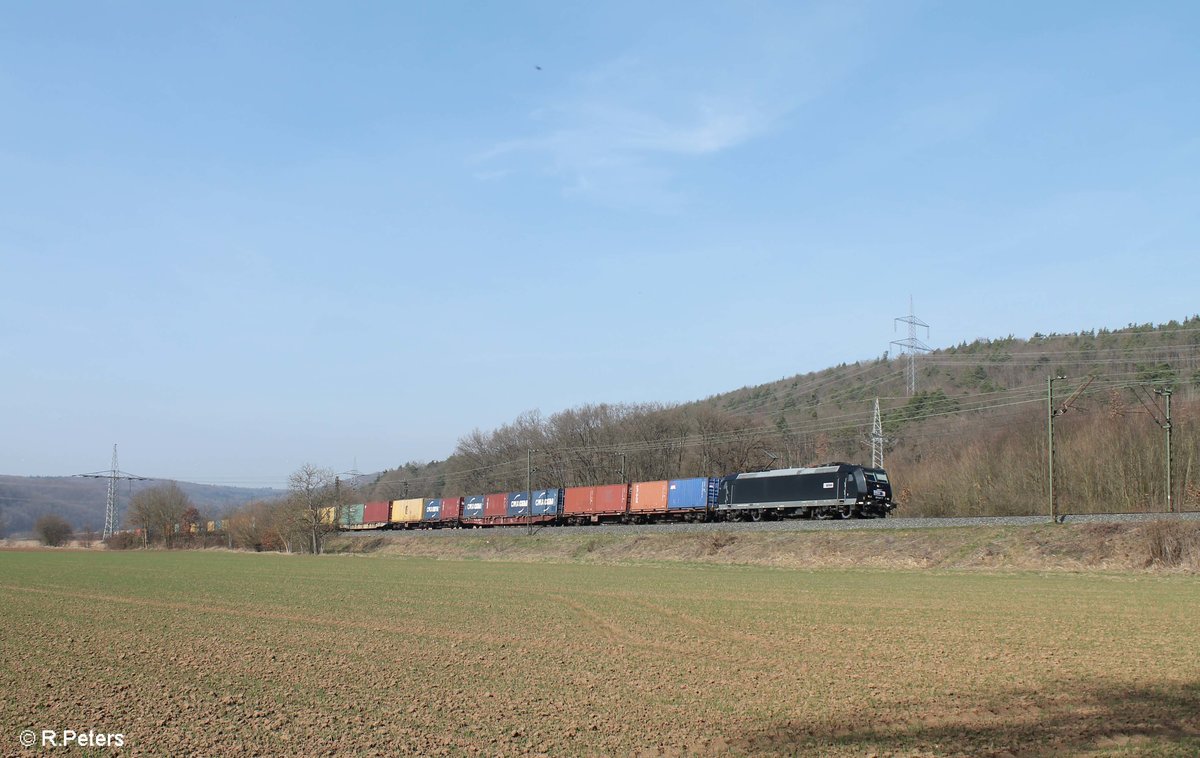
(312, 491)
(159, 510)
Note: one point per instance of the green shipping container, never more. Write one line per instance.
(352, 515)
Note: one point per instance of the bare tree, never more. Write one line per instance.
(52, 530)
(313, 491)
(159, 510)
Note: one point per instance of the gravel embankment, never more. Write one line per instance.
(802, 525)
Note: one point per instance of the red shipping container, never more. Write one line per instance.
(377, 512)
(593, 501)
(578, 500)
(451, 508)
(496, 505)
(611, 498)
(648, 497)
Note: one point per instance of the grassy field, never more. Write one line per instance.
(269, 654)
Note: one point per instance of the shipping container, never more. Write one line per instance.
(496, 505)
(696, 494)
(407, 511)
(212, 526)
(516, 504)
(547, 502)
(451, 508)
(578, 500)
(433, 510)
(473, 506)
(327, 515)
(648, 497)
(352, 515)
(376, 512)
(612, 498)
(221, 524)
(589, 501)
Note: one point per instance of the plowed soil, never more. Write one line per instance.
(221, 653)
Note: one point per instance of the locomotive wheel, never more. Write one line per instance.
(846, 511)
(756, 514)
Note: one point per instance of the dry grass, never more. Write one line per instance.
(1173, 544)
(1153, 546)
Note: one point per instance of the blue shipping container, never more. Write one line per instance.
(516, 504)
(433, 510)
(692, 493)
(473, 507)
(547, 502)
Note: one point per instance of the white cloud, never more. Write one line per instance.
(621, 132)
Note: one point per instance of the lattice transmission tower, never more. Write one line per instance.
(113, 475)
(911, 346)
(877, 438)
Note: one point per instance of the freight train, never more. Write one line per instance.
(835, 490)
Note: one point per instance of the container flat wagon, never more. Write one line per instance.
(513, 508)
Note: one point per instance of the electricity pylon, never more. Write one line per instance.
(877, 438)
(912, 345)
(113, 476)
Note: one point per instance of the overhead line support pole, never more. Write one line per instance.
(1166, 392)
(1170, 503)
(1050, 414)
(529, 488)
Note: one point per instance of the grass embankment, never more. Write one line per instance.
(1166, 545)
(216, 653)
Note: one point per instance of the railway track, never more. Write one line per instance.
(802, 525)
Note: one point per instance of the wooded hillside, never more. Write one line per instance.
(971, 440)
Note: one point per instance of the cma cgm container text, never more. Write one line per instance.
(473, 506)
(545, 503)
(516, 504)
(433, 510)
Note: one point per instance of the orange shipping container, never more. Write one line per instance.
(584, 501)
(648, 497)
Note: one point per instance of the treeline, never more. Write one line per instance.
(971, 441)
(601, 444)
(164, 516)
(1108, 458)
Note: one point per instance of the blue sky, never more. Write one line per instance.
(238, 237)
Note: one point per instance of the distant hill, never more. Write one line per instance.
(82, 501)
